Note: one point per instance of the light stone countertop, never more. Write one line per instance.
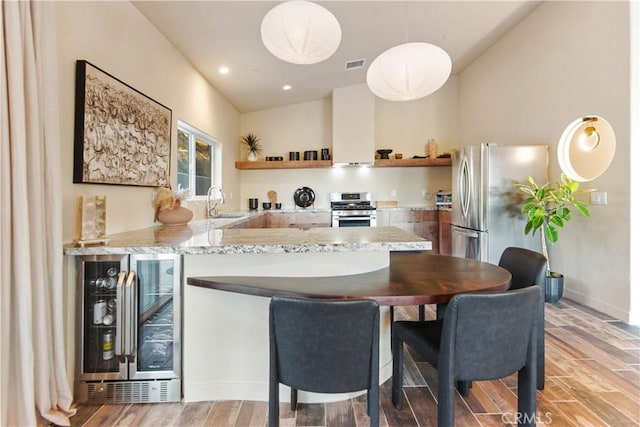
(209, 236)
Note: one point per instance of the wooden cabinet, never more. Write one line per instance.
(298, 219)
(259, 221)
(281, 220)
(433, 225)
(444, 234)
(422, 222)
(313, 219)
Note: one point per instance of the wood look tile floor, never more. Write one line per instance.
(593, 379)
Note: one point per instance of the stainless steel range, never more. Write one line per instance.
(352, 210)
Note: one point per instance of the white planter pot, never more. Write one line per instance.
(252, 157)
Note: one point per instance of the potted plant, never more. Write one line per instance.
(252, 143)
(547, 210)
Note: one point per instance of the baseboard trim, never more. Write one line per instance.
(597, 304)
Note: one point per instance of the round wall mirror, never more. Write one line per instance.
(586, 148)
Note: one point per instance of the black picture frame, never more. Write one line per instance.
(121, 136)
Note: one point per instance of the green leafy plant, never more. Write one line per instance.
(549, 209)
(252, 142)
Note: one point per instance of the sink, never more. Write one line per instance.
(228, 215)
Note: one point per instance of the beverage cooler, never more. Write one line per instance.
(128, 329)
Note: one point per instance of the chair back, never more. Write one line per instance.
(527, 267)
(487, 335)
(324, 346)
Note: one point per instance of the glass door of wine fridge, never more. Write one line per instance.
(99, 318)
(129, 328)
(156, 326)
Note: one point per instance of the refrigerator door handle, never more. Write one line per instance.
(467, 233)
(464, 187)
(133, 336)
(129, 320)
(120, 318)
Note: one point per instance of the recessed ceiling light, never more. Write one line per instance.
(286, 87)
(223, 70)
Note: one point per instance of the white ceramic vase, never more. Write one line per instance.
(252, 157)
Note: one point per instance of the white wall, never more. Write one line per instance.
(564, 61)
(115, 37)
(404, 127)
(297, 127)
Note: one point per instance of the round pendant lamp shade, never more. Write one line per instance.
(586, 148)
(300, 32)
(409, 71)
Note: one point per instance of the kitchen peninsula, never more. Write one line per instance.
(225, 335)
(217, 236)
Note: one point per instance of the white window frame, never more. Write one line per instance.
(216, 158)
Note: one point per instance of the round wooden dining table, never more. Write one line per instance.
(232, 333)
(412, 278)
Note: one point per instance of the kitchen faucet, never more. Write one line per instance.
(212, 210)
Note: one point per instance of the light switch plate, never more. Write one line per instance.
(598, 198)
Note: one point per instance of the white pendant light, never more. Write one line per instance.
(586, 148)
(300, 32)
(409, 71)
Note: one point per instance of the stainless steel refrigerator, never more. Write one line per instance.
(486, 215)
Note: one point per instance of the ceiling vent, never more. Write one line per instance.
(354, 65)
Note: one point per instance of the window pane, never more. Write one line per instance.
(183, 160)
(203, 167)
(197, 156)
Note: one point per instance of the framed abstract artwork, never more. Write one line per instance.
(121, 135)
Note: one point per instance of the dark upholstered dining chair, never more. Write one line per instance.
(529, 268)
(323, 346)
(478, 339)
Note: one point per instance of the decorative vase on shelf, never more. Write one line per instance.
(252, 157)
(175, 216)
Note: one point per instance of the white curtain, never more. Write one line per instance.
(34, 387)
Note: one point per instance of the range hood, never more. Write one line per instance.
(353, 126)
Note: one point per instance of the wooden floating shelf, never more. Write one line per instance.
(412, 162)
(297, 164)
(311, 164)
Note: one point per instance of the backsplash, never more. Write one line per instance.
(406, 185)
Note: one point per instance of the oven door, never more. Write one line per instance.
(353, 218)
